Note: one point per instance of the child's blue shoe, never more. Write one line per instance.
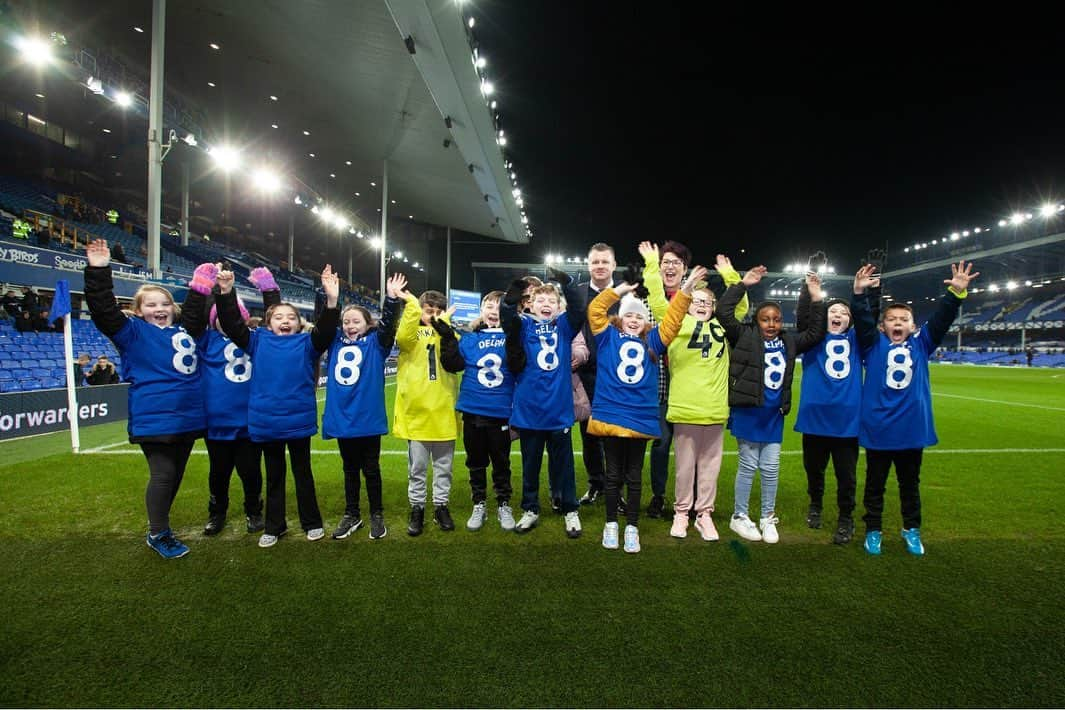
(872, 542)
(913, 541)
(167, 545)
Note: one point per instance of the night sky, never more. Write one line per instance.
(778, 133)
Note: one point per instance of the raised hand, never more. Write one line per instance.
(331, 286)
(697, 274)
(722, 264)
(753, 276)
(624, 288)
(648, 249)
(225, 281)
(813, 285)
(98, 253)
(866, 278)
(262, 279)
(204, 277)
(558, 276)
(961, 275)
(395, 285)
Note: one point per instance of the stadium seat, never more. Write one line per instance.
(9, 364)
(50, 383)
(48, 363)
(6, 376)
(10, 386)
(40, 372)
(30, 364)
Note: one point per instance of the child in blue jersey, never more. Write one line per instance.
(896, 418)
(829, 404)
(538, 352)
(355, 404)
(282, 409)
(160, 362)
(485, 397)
(226, 385)
(625, 404)
(760, 373)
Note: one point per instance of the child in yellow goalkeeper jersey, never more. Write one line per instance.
(698, 394)
(425, 408)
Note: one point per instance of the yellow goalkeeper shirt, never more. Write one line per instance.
(425, 392)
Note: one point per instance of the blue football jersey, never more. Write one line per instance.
(487, 386)
(355, 387)
(543, 391)
(226, 381)
(831, 393)
(626, 383)
(764, 424)
(282, 404)
(163, 369)
(897, 395)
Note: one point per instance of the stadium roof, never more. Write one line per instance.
(338, 81)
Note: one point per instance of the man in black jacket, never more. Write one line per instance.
(601, 266)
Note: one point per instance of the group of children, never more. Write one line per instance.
(250, 391)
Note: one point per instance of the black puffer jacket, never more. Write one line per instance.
(745, 382)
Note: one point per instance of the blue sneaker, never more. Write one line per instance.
(872, 542)
(167, 545)
(913, 541)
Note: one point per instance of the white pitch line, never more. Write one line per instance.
(403, 452)
(1000, 401)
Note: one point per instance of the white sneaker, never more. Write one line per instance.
(267, 540)
(632, 539)
(506, 517)
(315, 534)
(744, 527)
(679, 529)
(610, 536)
(573, 524)
(705, 525)
(476, 521)
(769, 529)
(528, 521)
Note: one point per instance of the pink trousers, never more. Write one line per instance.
(697, 448)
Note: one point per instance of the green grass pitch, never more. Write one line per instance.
(92, 617)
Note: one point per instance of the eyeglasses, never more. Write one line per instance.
(672, 262)
(702, 301)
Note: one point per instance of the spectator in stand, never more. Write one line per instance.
(103, 372)
(45, 237)
(24, 323)
(30, 304)
(12, 304)
(77, 369)
(118, 253)
(41, 324)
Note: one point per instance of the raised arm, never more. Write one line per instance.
(726, 309)
(652, 280)
(229, 313)
(194, 310)
(261, 278)
(861, 308)
(574, 311)
(407, 330)
(393, 305)
(814, 332)
(100, 290)
(598, 320)
(723, 266)
(957, 290)
(325, 328)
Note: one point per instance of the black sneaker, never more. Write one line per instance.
(255, 523)
(348, 524)
(813, 517)
(556, 504)
(442, 516)
(417, 521)
(623, 507)
(215, 524)
(377, 526)
(844, 531)
(590, 497)
(657, 505)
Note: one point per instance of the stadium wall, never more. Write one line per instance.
(45, 411)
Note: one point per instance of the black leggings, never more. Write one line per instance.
(487, 439)
(816, 451)
(245, 455)
(624, 462)
(363, 452)
(299, 452)
(166, 468)
(908, 471)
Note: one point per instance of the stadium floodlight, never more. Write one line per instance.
(34, 50)
(993, 288)
(935, 241)
(487, 88)
(977, 230)
(190, 140)
(955, 236)
(123, 99)
(298, 201)
(266, 180)
(1010, 285)
(1027, 283)
(341, 223)
(906, 250)
(327, 214)
(471, 23)
(1048, 210)
(481, 62)
(398, 255)
(225, 157)
(965, 233)
(375, 242)
(1016, 218)
(415, 265)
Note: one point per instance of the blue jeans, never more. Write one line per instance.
(559, 468)
(757, 457)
